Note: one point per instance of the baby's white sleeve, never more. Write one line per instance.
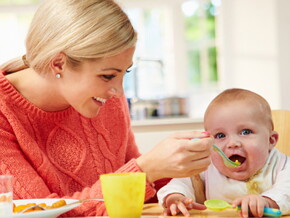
(280, 192)
(176, 185)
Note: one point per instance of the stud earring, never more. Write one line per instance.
(57, 75)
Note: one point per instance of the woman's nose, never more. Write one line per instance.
(116, 92)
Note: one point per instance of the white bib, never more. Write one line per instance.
(219, 186)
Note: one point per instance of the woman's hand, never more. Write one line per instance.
(254, 205)
(177, 156)
(178, 203)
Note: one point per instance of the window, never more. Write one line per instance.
(149, 55)
(201, 41)
(176, 52)
(15, 17)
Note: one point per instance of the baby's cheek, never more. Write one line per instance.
(257, 157)
(257, 163)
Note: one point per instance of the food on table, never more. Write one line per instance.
(17, 209)
(4, 198)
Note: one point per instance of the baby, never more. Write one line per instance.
(241, 123)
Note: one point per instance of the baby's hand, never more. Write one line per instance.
(254, 205)
(178, 203)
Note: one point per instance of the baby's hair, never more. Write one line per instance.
(237, 94)
(82, 29)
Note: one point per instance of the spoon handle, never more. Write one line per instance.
(226, 160)
(88, 199)
(269, 212)
(272, 212)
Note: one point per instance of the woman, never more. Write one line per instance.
(64, 119)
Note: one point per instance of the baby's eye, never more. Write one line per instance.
(246, 132)
(108, 77)
(219, 135)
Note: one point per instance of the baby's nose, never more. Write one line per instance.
(234, 142)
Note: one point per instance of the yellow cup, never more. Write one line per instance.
(124, 194)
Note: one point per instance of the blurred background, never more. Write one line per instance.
(188, 51)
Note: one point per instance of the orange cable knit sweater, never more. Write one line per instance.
(62, 154)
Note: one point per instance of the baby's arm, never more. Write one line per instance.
(178, 196)
(280, 191)
(254, 205)
(177, 203)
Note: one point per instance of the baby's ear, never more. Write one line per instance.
(273, 139)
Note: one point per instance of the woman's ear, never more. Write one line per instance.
(273, 139)
(57, 63)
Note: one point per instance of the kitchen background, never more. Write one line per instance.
(187, 52)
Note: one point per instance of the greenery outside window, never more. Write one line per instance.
(200, 36)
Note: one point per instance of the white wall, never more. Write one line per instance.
(254, 48)
(283, 30)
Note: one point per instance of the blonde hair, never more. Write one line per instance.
(82, 29)
(236, 94)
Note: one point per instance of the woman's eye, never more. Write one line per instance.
(219, 135)
(246, 132)
(108, 77)
(129, 69)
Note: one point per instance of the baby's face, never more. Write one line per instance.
(241, 131)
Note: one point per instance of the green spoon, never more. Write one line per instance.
(219, 205)
(226, 160)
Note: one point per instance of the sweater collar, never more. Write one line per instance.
(13, 97)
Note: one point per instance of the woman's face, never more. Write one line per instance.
(242, 132)
(89, 87)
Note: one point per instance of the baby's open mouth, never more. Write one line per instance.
(236, 158)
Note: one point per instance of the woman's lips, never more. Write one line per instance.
(99, 101)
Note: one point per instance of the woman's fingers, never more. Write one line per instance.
(190, 135)
(177, 156)
(203, 144)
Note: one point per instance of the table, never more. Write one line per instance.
(155, 211)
